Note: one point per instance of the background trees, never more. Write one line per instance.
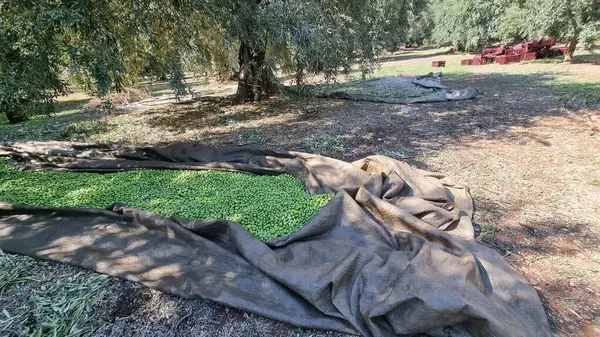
(466, 25)
(469, 24)
(105, 45)
(574, 21)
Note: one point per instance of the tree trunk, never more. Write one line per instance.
(244, 88)
(14, 113)
(15, 118)
(256, 81)
(571, 45)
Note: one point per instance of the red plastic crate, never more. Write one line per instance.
(466, 62)
(491, 53)
(513, 51)
(529, 56)
(501, 60)
(488, 52)
(438, 64)
(479, 61)
(506, 59)
(560, 50)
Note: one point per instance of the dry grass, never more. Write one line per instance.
(47, 302)
(127, 96)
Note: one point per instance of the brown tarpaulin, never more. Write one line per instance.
(392, 254)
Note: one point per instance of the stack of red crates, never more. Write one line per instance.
(506, 59)
(479, 60)
(524, 51)
(529, 56)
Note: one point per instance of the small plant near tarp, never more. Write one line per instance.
(403, 111)
(399, 153)
(254, 137)
(55, 303)
(78, 131)
(13, 271)
(324, 144)
(488, 232)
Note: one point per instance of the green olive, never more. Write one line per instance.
(268, 206)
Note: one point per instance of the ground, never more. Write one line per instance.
(528, 147)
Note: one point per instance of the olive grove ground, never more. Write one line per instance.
(528, 146)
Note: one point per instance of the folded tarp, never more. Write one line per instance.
(392, 254)
(400, 90)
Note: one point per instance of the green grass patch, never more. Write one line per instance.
(547, 60)
(3, 121)
(450, 71)
(580, 56)
(79, 131)
(268, 206)
(488, 232)
(398, 153)
(580, 94)
(370, 90)
(453, 71)
(47, 127)
(156, 93)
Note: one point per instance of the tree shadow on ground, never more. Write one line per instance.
(543, 237)
(410, 54)
(578, 59)
(506, 106)
(220, 112)
(59, 126)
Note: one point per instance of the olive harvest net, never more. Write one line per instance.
(391, 254)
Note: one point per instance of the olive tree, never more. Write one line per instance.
(470, 24)
(107, 44)
(572, 20)
(309, 36)
(466, 25)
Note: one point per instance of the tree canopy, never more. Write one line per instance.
(106, 45)
(572, 20)
(470, 24)
(463, 24)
